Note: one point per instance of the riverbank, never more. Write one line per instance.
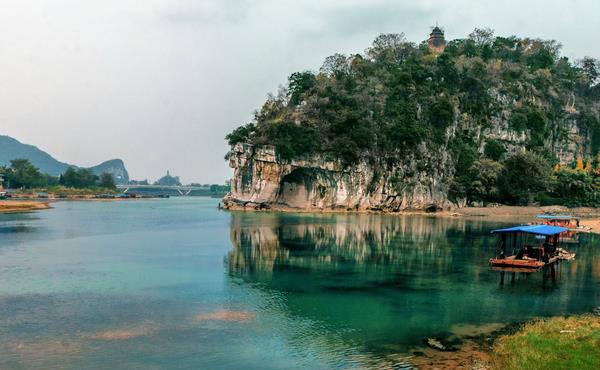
(10, 206)
(545, 344)
(555, 343)
(590, 217)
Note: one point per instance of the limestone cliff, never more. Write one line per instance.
(419, 181)
(262, 181)
(404, 128)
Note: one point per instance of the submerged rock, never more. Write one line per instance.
(225, 315)
(436, 344)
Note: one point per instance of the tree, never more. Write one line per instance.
(78, 178)
(579, 165)
(542, 54)
(525, 174)
(387, 41)
(219, 189)
(389, 48)
(494, 150)
(588, 165)
(482, 36)
(299, 83)
(335, 65)
(441, 112)
(518, 121)
(107, 181)
(23, 174)
(240, 134)
(575, 188)
(485, 175)
(590, 67)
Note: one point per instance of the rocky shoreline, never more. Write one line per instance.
(590, 217)
(470, 347)
(484, 347)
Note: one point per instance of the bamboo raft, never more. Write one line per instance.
(526, 256)
(527, 264)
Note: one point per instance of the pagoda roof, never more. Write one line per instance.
(437, 30)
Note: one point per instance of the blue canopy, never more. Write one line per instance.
(557, 217)
(545, 230)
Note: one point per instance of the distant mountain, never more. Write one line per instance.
(115, 167)
(11, 149)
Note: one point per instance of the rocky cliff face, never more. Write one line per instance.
(261, 181)
(419, 181)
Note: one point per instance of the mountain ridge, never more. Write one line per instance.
(11, 148)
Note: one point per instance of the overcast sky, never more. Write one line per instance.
(159, 83)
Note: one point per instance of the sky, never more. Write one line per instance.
(160, 83)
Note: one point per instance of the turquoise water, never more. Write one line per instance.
(177, 284)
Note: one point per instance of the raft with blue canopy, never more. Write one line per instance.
(529, 247)
(559, 220)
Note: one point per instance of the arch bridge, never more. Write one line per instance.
(182, 190)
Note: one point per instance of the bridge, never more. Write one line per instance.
(182, 190)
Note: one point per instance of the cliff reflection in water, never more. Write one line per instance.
(368, 243)
(386, 281)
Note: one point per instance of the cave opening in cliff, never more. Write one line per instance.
(306, 188)
(293, 188)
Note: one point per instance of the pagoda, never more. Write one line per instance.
(436, 41)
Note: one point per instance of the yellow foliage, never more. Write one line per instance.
(579, 166)
(556, 167)
(588, 166)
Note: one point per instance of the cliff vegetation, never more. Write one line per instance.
(489, 119)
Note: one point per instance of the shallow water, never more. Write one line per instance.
(175, 283)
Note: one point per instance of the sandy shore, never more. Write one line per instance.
(21, 206)
(590, 217)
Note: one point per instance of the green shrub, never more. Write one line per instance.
(494, 150)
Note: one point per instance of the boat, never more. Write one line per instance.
(567, 221)
(527, 247)
(571, 222)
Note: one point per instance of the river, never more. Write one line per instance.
(177, 284)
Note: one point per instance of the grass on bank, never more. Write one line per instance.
(554, 343)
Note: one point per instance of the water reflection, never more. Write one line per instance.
(339, 241)
(11, 223)
(386, 282)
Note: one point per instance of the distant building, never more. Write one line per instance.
(168, 180)
(1, 183)
(436, 41)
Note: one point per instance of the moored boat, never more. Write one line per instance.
(527, 247)
(568, 221)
